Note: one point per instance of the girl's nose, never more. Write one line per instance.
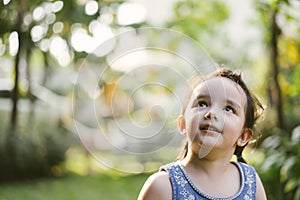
(210, 115)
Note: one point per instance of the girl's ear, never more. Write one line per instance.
(181, 124)
(245, 137)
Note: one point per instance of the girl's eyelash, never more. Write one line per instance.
(201, 103)
(204, 103)
(231, 108)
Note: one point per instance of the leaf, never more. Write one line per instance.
(290, 185)
(274, 160)
(296, 135)
(297, 193)
(285, 170)
(271, 142)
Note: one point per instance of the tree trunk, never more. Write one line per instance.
(46, 69)
(276, 90)
(29, 95)
(15, 92)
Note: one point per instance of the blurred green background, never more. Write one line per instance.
(43, 44)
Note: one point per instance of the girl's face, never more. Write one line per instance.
(215, 116)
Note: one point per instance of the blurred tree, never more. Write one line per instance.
(202, 21)
(280, 167)
(41, 31)
(281, 29)
(196, 18)
(268, 15)
(46, 27)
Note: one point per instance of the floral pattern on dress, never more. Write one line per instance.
(250, 181)
(185, 189)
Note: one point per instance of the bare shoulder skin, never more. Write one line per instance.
(157, 186)
(260, 191)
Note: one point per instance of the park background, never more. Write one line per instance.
(43, 45)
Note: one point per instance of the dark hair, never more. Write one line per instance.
(254, 108)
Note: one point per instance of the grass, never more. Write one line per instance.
(75, 187)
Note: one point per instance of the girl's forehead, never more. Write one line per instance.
(219, 87)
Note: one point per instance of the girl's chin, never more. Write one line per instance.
(206, 146)
(208, 139)
(202, 149)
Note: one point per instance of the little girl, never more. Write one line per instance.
(218, 122)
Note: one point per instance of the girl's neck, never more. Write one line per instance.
(207, 164)
(213, 175)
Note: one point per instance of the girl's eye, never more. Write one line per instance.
(202, 104)
(229, 109)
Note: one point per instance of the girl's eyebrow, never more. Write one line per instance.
(201, 96)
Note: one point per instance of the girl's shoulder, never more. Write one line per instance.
(157, 186)
(158, 177)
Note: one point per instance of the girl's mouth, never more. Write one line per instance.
(209, 127)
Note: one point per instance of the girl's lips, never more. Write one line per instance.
(209, 127)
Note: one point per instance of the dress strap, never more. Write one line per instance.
(249, 174)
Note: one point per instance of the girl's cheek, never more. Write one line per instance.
(193, 126)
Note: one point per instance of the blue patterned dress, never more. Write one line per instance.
(184, 189)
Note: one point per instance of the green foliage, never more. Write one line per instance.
(288, 41)
(29, 152)
(280, 169)
(197, 18)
